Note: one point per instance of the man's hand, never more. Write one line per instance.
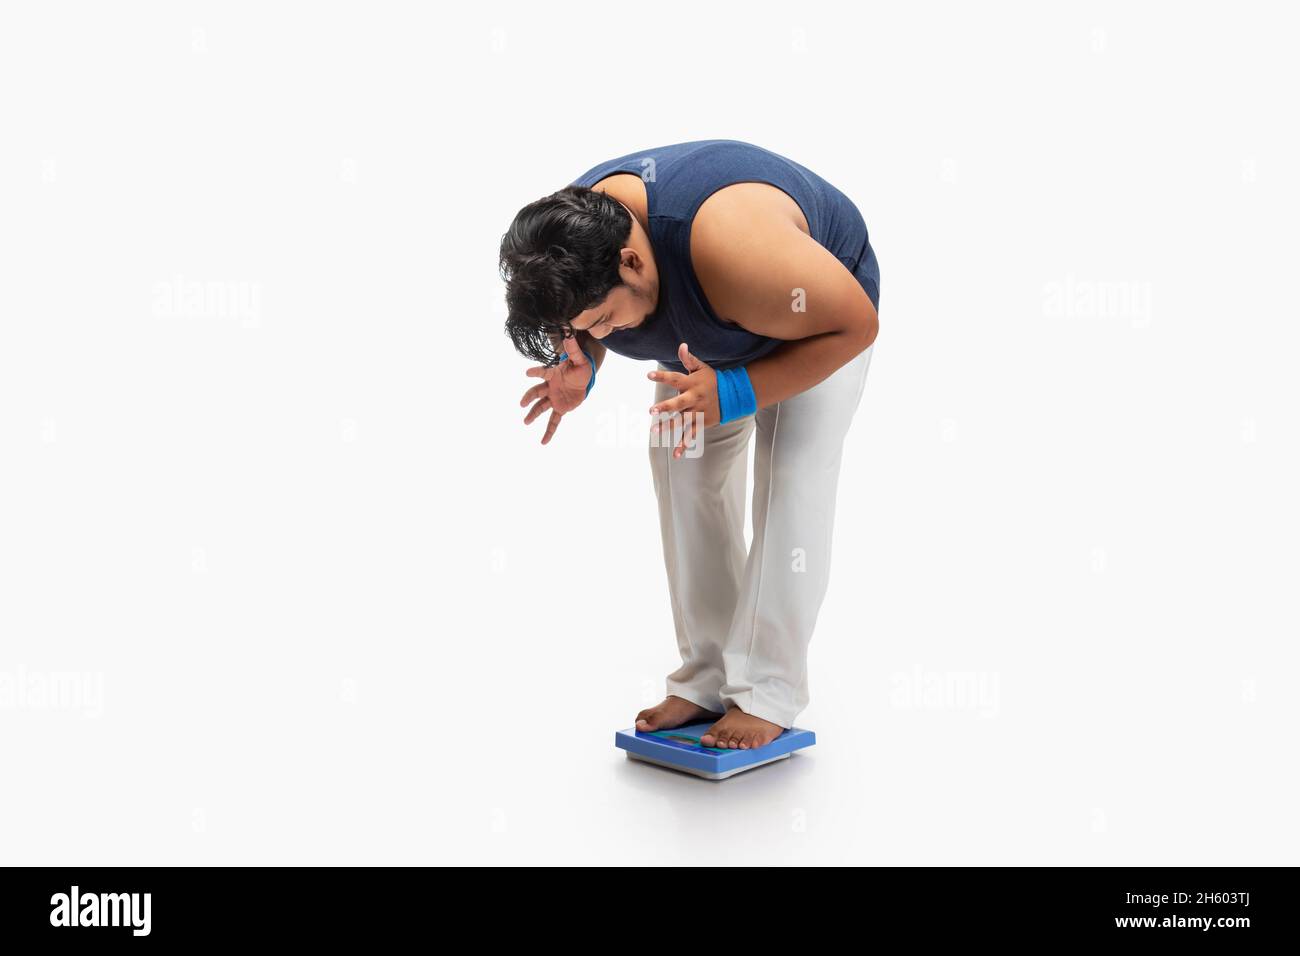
(563, 389)
(697, 401)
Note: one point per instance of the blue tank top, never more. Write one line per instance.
(677, 180)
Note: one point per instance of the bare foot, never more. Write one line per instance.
(673, 712)
(738, 730)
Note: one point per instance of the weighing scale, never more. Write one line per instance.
(680, 749)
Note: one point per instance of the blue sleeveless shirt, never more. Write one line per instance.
(677, 180)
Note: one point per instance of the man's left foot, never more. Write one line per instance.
(738, 730)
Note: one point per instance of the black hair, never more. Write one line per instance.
(560, 257)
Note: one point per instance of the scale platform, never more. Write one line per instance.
(680, 749)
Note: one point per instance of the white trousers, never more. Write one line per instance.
(744, 620)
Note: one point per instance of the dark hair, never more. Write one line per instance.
(560, 257)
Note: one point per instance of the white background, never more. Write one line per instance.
(283, 578)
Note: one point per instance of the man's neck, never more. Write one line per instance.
(629, 189)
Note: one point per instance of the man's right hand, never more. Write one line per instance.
(563, 388)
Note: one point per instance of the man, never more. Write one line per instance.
(751, 282)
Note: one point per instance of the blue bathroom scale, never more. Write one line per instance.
(680, 749)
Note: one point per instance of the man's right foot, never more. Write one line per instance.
(673, 712)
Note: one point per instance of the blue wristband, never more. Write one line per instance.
(735, 394)
(590, 361)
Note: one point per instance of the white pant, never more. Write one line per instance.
(744, 621)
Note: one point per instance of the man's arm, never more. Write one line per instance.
(770, 277)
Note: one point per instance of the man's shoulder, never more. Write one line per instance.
(746, 206)
(735, 236)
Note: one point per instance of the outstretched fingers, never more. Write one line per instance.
(538, 371)
(688, 435)
(672, 379)
(689, 361)
(552, 424)
(541, 406)
(682, 403)
(534, 393)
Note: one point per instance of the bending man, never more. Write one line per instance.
(751, 283)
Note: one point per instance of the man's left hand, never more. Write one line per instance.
(696, 402)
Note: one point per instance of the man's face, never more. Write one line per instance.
(627, 305)
(622, 309)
